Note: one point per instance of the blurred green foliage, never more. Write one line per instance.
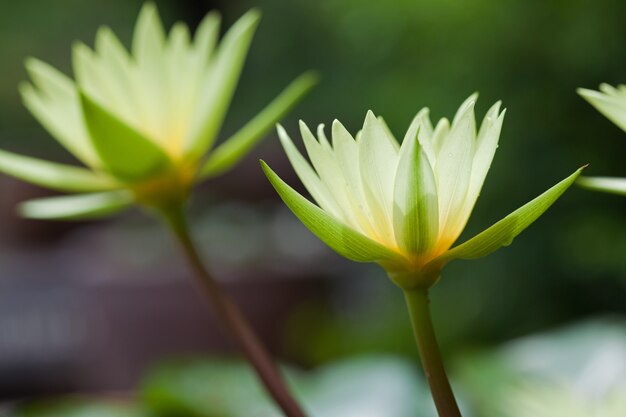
(574, 371)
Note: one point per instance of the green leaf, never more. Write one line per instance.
(503, 232)
(238, 145)
(510, 381)
(53, 175)
(606, 184)
(77, 207)
(126, 153)
(219, 87)
(206, 388)
(212, 387)
(342, 239)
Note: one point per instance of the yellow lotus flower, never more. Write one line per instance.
(142, 122)
(611, 102)
(403, 206)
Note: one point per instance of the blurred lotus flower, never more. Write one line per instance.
(611, 102)
(403, 206)
(142, 122)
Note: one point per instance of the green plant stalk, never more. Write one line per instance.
(231, 316)
(418, 304)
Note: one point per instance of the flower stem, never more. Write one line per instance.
(418, 304)
(231, 316)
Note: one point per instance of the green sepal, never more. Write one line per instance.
(503, 232)
(76, 207)
(237, 146)
(341, 238)
(126, 153)
(53, 175)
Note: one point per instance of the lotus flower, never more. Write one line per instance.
(611, 102)
(403, 206)
(142, 122)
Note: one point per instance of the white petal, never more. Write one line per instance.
(389, 135)
(415, 216)
(115, 70)
(218, 85)
(422, 123)
(148, 45)
(606, 184)
(441, 131)
(309, 178)
(57, 107)
(180, 85)
(461, 111)
(206, 39)
(323, 159)
(378, 161)
(611, 102)
(346, 153)
(454, 164)
(486, 145)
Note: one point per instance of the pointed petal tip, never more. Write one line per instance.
(254, 13)
(304, 129)
(250, 19)
(370, 118)
(30, 63)
(338, 128)
(148, 7)
(283, 136)
(79, 48)
(423, 112)
(103, 32)
(605, 87)
(586, 92)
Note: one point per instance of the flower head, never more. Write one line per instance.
(403, 206)
(611, 102)
(142, 121)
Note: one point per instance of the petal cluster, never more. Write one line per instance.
(403, 205)
(142, 121)
(611, 102)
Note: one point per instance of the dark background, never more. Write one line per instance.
(89, 306)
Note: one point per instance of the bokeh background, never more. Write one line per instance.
(92, 307)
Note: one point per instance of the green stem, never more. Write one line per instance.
(231, 317)
(419, 310)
